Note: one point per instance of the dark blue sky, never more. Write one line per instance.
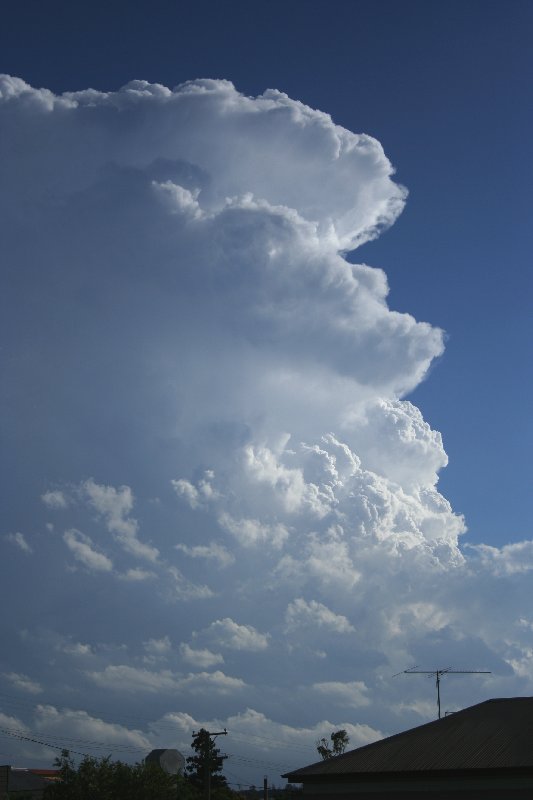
(445, 87)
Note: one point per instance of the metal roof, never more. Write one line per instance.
(492, 735)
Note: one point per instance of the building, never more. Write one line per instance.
(485, 751)
(28, 784)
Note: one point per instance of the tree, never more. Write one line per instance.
(339, 743)
(204, 770)
(103, 779)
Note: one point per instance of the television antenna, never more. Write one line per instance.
(437, 674)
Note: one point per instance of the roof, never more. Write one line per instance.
(492, 735)
(24, 780)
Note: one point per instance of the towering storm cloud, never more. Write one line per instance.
(225, 502)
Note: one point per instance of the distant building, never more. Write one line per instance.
(25, 783)
(483, 752)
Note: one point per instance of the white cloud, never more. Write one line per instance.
(132, 679)
(251, 532)
(19, 540)
(353, 695)
(211, 552)
(199, 682)
(55, 499)
(228, 359)
(237, 637)
(82, 549)
(185, 589)
(507, 560)
(115, 506)
(123, 677)
(158, 647)
(200, 657)
(197, 495)
(187, 491)
(301, 613)
(137, 574)
(22, 682)
(78, 649)
(51, 721)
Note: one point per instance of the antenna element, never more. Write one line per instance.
(439, 672)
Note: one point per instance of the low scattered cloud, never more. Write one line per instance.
(136, 574)
(196, 495)
(302, 613)
(19, 540)
(22, 682)
(133, 679)
(211, 552)
(55, 499)
(78, 649)
(115, 506)
(200, 657)
(216, 682)
(83, 550)
(228, 633)
(507, 560)
(158, 647)
(352, 695)
(252, 532)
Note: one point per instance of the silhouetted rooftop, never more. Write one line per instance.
(496, 734)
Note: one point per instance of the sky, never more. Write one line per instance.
(265, 341)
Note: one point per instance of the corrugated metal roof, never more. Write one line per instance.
(491, 735)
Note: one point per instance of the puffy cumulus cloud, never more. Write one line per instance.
(122, 677)
(228, 633)
(158, 647)
(301, 613)
(115, 506)
(218, 682)
(507, 560)
(83, 550)
(251, 532)
(181, 322)
(195, 495)
(200, 657)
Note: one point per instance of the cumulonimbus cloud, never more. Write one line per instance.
(184, 325)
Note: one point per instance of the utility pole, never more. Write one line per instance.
(438, 673)
(265, 788)
(209, 738)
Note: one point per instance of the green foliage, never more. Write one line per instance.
(339, 743)
(103, 779)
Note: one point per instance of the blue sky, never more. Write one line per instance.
(202, 390)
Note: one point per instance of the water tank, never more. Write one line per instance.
(171, 761)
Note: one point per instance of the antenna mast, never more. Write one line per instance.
(439, 672)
